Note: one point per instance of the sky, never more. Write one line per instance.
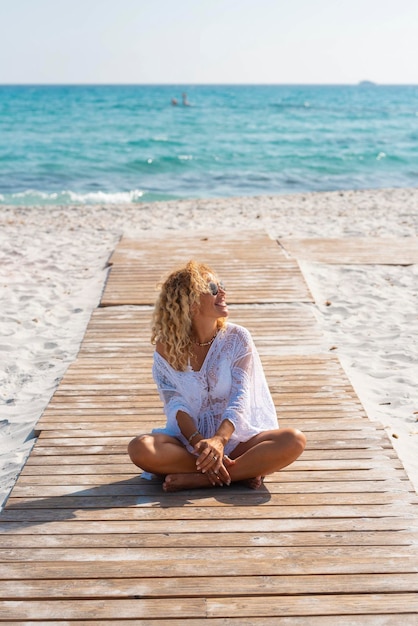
(208, 41)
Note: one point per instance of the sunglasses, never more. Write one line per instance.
(214, 287)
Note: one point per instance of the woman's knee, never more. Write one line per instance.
(295, 441)
(138, 447)
(298, 440)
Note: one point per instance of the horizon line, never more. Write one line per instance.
(361, 83)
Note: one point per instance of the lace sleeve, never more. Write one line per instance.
(250, 404)
(172, 393)
(239, 401)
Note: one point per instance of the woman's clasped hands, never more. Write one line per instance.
(213, 462)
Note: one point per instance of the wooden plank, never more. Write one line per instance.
(51, 511)
(386, 562)
(102, 609)
(199, 555)
(313, 605)
(336, 605)
(408, 619)
(196, 586)
(293, 563)
(206, 539)
(354, 250)
(88, 522)
(131, 494)
(30, 485)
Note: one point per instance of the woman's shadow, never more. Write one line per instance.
(139, 499)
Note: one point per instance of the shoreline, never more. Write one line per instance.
(53, 269)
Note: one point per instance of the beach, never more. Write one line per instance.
(54, 266)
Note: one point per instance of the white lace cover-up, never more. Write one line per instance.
(230, 385)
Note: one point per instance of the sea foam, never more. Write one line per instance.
(34, 197)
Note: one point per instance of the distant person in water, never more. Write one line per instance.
(174, 101)
(186, 103)
(221, 421)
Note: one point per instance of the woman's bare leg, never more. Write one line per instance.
(162, 454)
(267, 452)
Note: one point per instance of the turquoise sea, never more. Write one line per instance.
(81, 144)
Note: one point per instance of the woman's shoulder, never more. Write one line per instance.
(160, 362)
(240, 332)
(162, 366)
(161, 350)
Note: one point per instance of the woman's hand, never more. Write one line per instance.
(212, 461)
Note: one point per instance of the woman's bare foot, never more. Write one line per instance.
(178, 482)
(197, 480)
(253, 483)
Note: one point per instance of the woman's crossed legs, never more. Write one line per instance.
(263, 454)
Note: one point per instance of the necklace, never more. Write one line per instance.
(206, 343)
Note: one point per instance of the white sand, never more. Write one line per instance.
(52, 270)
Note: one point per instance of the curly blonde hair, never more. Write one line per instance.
(172, 318)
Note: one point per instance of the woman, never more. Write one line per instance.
(221, 421)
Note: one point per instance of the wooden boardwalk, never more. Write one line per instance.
(355, 250)
(330, 541)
